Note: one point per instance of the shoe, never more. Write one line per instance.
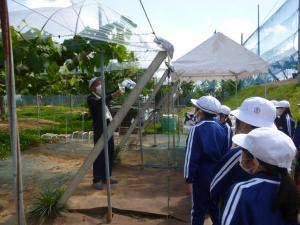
(98, 185)
(112, 181)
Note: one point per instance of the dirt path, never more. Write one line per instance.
(138, 193)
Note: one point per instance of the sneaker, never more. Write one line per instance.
(98, 185)
(112, 181)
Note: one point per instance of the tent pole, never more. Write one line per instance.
(159, 58)
(13, 122)
(105, 135)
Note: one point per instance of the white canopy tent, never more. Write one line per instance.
(218, 58)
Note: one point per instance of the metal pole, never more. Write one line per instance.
(154, 124)
(38, 114)
(242, 39)
(109, 208)
(140, 127)
(13, 122)
(258, 31)
(140, 132)
(145, 106)
(178, 119)
(174, 133)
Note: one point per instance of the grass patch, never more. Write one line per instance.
(66, 120)
(46, 205)
(290, 92)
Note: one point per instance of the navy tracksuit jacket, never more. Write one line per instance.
(227, 172)
(286, 124)
(296, 137)
(250, 202)
(206, 144)
(228, 134)
(296, 140)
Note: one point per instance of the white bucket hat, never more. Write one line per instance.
(275, 102)
(208, 104)
(225, 110)
(283, 104)
(91, 81)
(268, 145)
(256, 111)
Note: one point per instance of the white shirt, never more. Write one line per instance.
(107, 112)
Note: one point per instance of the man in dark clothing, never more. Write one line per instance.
(95, 106)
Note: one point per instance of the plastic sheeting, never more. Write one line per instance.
(90, 19)
(278, 41)
(218, 58)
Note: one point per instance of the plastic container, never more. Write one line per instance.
(168, 122)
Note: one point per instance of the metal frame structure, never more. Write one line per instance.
(160, 57)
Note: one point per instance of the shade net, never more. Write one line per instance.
(89, 19)
(278, 43)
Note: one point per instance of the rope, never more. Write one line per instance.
(148, 19)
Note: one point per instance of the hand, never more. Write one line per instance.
(117, 93)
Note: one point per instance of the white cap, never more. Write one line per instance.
(283, 104)
(91, 81)
(256, 111)
(275, 102)
(268, 145)
(208, 104)
(225, 110)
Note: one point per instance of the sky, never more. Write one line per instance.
(187, 23)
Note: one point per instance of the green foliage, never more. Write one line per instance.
(63, 118)
(220, 90)
(187, 88)
(45, 67)
(46, 205)
(4, 150)
(277, 91)
(27, 139)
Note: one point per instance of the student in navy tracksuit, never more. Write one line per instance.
(270, 196)
(226, 123)
(284, 120)
(254, 112)
(296, 140)
(206, 144)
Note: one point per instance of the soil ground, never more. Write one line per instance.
(140, 197)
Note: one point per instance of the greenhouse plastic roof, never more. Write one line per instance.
(89, 19)
(218, 58)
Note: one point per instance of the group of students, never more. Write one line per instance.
(246, 185)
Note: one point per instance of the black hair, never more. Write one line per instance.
(287, 199)
(208, 115)
(227, 120)
(237, 123)
(287, 111)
